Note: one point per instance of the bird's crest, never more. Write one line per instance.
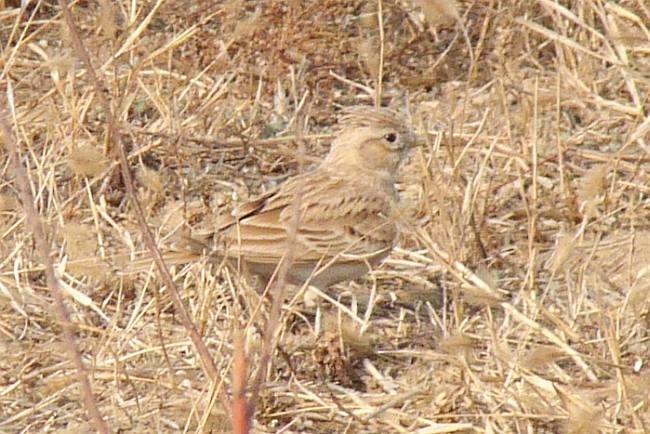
(371, 117)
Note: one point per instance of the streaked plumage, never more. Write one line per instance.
(346, 223)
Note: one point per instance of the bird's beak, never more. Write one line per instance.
(413, 140)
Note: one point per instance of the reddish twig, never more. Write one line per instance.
(43, 248)
(240, 421)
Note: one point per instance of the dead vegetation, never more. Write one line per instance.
(518, 300)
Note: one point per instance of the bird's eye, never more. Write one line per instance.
(390, 137)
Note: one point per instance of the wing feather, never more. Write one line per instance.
(338, 218)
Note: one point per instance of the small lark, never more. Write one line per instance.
(346, 222)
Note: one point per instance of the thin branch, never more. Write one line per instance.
(279, 284)
(229, 145)
(43, 248)
(116, 139)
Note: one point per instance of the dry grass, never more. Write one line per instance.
(518, 300)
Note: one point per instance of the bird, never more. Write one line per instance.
(344, 211)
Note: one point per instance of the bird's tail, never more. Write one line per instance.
(187, 249)
(145, 261)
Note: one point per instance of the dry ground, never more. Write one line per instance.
(517, 301)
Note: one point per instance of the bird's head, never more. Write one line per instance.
(371, 139)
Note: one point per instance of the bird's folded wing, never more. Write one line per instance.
(243, 211)
(347, 225)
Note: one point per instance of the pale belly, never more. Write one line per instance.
(320, 275)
